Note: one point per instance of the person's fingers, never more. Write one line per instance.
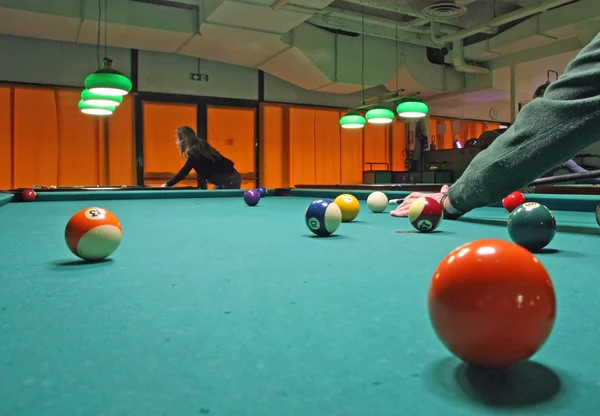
(445, 189)
(398, 213)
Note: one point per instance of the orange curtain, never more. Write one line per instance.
(301, 131)
(46, 141)
(352, 158)
(121, 145)
(6, 138)
(161, 155)
(376, 145)
(327, 147)
(301, 145)
(398, 146)
(231, 131)
(273, 148)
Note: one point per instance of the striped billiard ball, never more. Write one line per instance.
(323, 217)
(425, 214)
(93, 233)
(532, 226)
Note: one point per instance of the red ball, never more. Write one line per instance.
(28, 195)
(513, 201)
(492, 303)
(425, 214)
(93, 233)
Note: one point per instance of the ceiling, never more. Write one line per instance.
(432, 47)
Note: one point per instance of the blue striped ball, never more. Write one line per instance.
(323, 217)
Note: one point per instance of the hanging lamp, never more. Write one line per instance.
(352, 120)
(107, 81)
(380, 115)
(96, 110)
(100, 100)
(541, 90)
(412, 108)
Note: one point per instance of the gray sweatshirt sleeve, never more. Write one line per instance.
(547, 132)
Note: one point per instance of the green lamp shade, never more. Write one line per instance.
(100, 100)
(380, 115)
(107, 81)
(96, 110)
(352, 120)
(412, 109)
(541, 90)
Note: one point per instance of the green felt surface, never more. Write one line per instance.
(212, 307)
(5, 198)
(566, 202)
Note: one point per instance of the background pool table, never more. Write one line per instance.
(212, 307)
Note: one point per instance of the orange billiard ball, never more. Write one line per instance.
(492, 303)
(93, 233)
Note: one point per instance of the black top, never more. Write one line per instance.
(206, 168)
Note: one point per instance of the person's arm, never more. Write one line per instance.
(183, 172)
(547, 132)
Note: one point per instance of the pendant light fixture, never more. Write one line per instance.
(90, 98)
(412, 108)
(96, 110)
(380, 115)
(352, 120)
(106, 81)
(541, 90)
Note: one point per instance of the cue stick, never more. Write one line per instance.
(592, 174)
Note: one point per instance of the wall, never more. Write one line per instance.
(473, 111)
(50, 62)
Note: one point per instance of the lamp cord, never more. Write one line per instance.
(105, 28)
(397, 53)
(98, 33)
(362, 75)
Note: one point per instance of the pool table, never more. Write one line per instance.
(213, 307)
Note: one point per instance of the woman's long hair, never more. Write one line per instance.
(188, 143)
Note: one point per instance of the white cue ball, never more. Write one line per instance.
(377, 201)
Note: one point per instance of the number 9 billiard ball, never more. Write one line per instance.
(532, 226)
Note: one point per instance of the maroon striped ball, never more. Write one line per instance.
(425, 214)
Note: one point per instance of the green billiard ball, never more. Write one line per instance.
(532, 225)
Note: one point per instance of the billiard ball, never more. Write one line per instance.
(262, 191)
(93, 233)
(323, 217)
(377, 201)
(251, 197)
(598, 214)
(28, 195)
(425, 214)
(531, 225)
(349, 206)
(513, 200)
(492, 303)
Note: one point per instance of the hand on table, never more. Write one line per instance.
(164, 185)
(402, 209)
